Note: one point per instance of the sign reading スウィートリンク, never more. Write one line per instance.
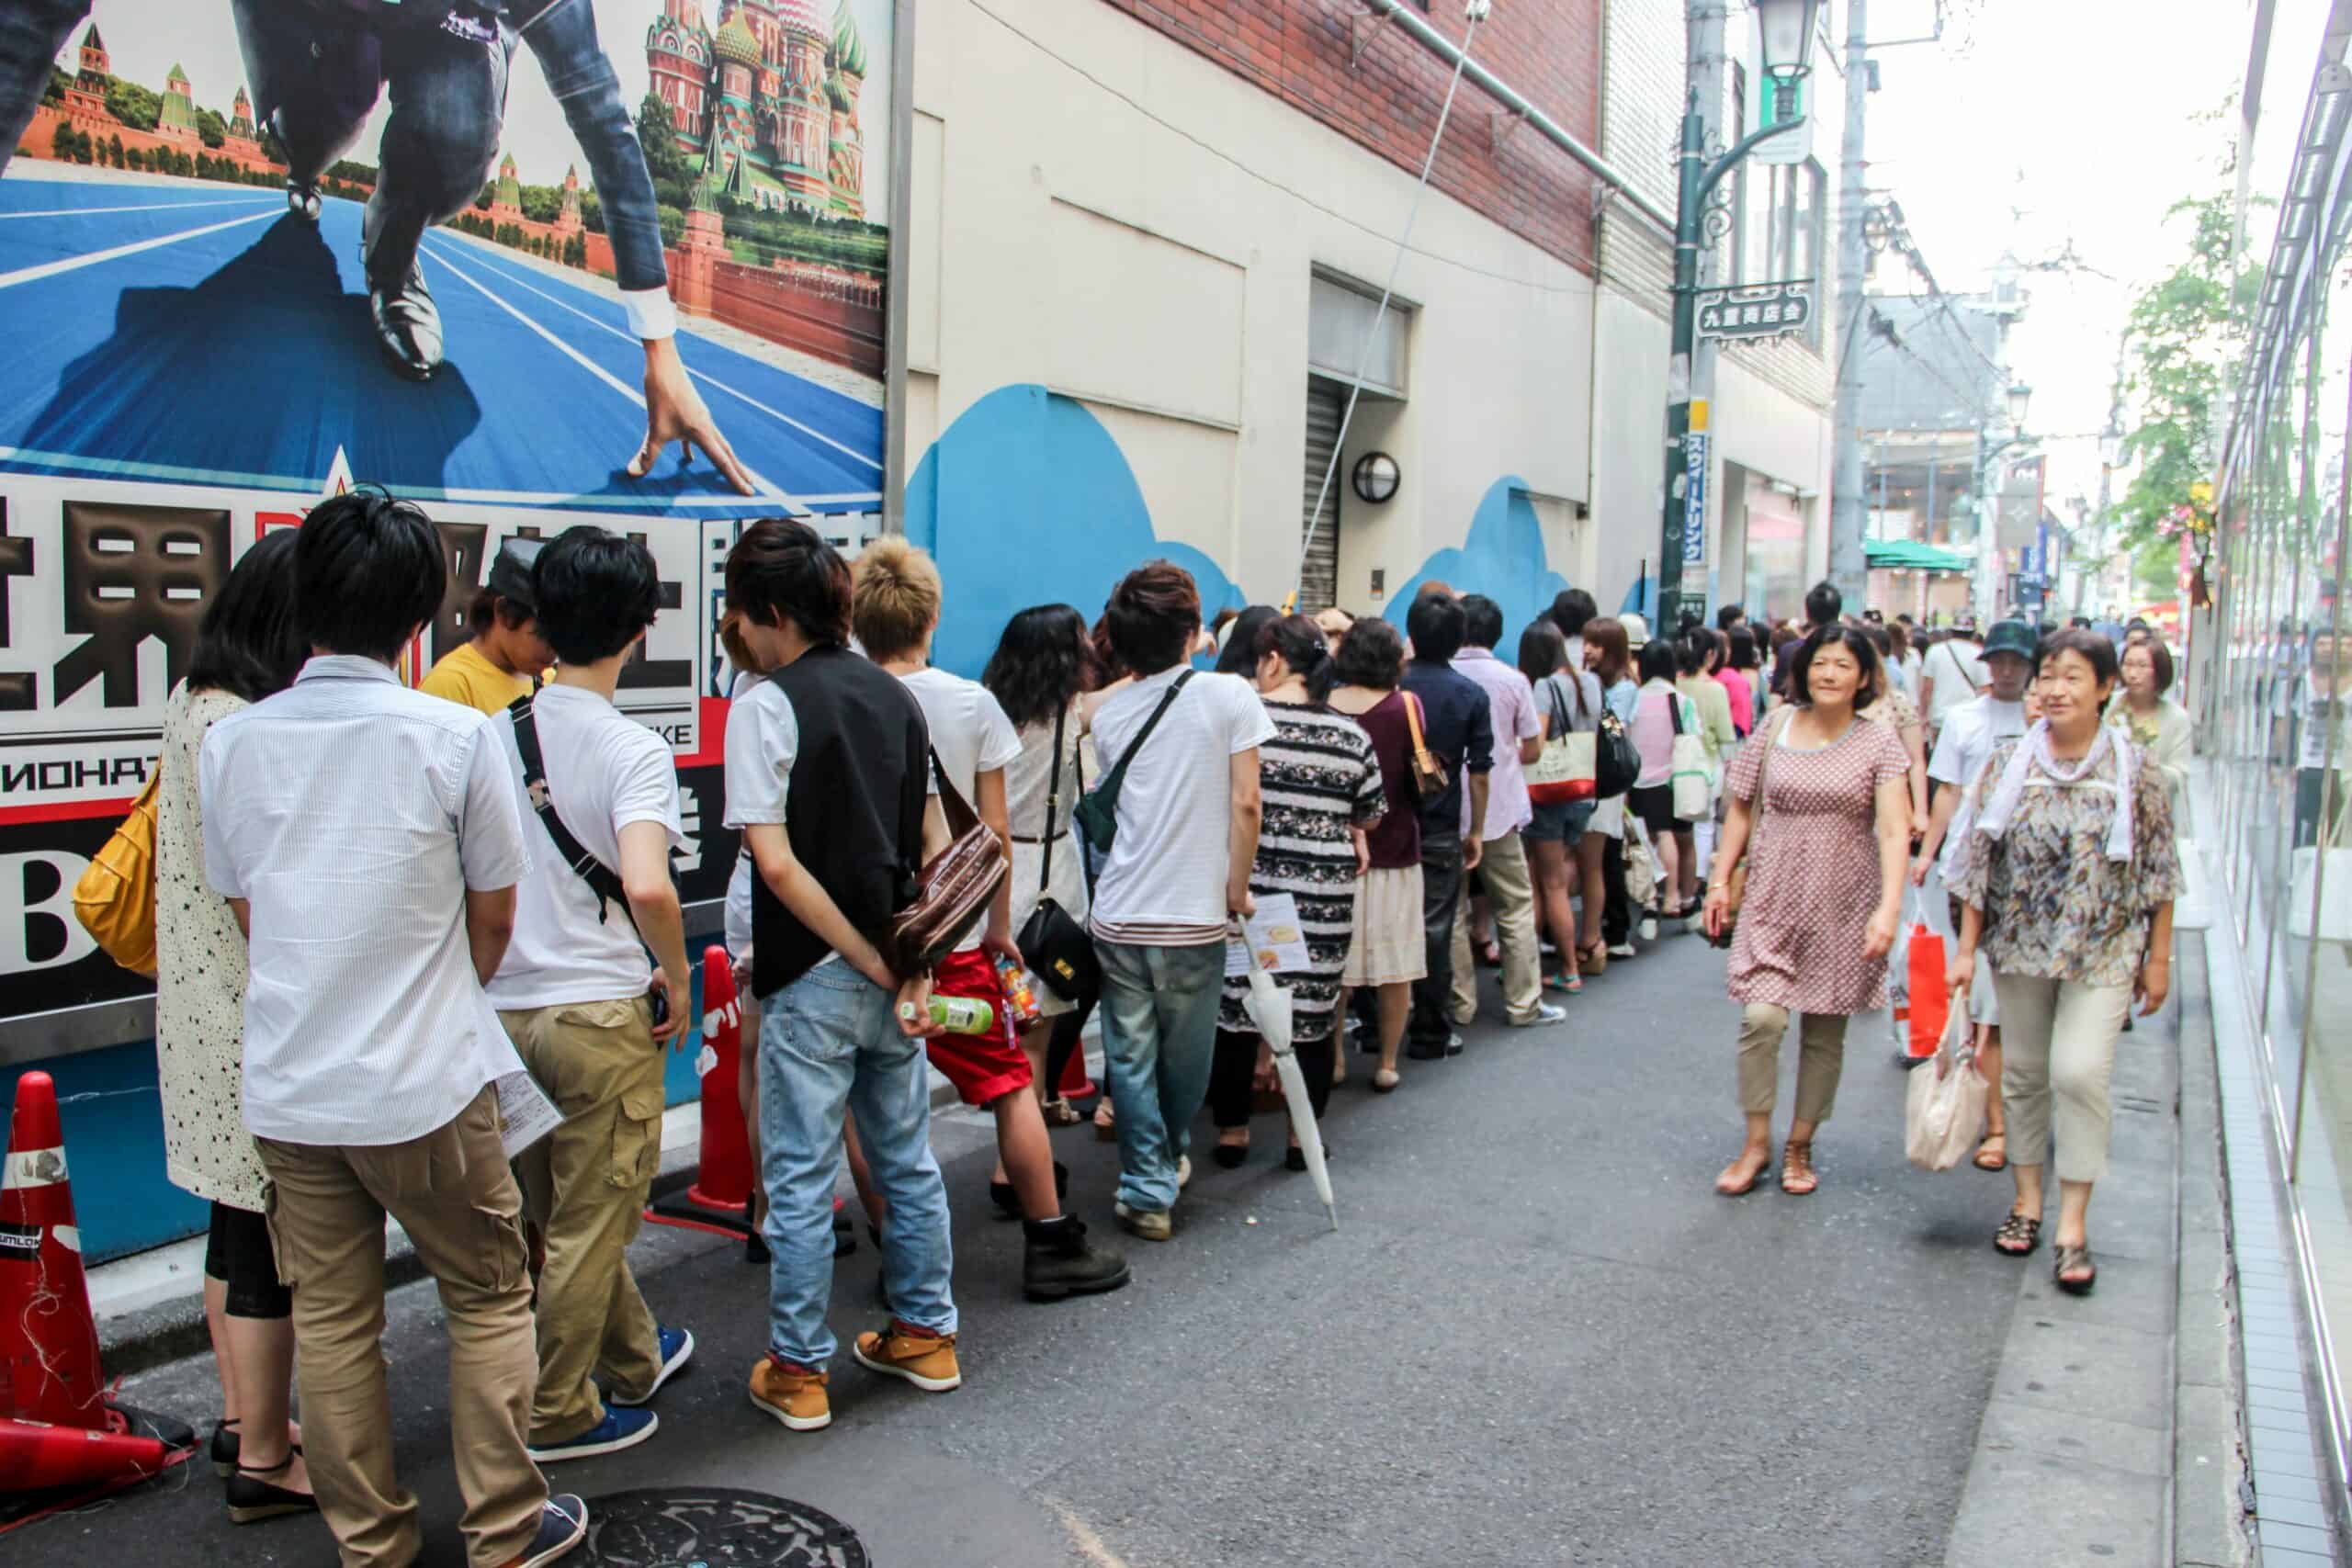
(195, 359)
(1754, 310)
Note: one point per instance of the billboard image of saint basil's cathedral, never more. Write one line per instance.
(767, 105)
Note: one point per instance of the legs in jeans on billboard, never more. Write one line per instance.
(31, 32)
(315, 82)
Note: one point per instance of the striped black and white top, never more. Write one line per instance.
(1319, 779)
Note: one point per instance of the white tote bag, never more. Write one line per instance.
(1693, 779)
(1943, 1109)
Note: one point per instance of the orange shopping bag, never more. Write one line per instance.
(1931, 997)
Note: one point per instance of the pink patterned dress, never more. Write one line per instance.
(1812, 871)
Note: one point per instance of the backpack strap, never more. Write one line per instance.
(601, 879)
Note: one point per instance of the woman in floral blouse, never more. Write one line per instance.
(2066, 879)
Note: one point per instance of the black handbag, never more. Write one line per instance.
(1616, 762)
(1054, 946)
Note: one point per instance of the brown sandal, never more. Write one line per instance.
(2018, 1236)
(2075, 1257)
(1798, 1178)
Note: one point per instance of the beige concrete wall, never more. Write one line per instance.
(1102, 211)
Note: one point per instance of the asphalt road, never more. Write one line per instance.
(1537, 1338)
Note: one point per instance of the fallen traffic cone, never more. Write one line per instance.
(719, 1198)
(35, 1456)
(48, 1343)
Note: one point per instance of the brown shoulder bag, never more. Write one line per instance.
(953, 891)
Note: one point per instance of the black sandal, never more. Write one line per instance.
(2075, 1257)
(252, 1498)
(2018, 1228)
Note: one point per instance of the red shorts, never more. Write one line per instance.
(984, 1067)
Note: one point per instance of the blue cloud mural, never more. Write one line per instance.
(1026, 499)
(1503, 557)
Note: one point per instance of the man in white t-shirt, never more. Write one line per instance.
(895, 599)
(587, 1012)
(1972, 731)
(1953, 672)
(1182, 748)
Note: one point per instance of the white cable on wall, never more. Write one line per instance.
(1474, 12)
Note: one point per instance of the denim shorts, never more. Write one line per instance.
(1561, 824)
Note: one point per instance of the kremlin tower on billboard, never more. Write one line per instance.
(767, 104)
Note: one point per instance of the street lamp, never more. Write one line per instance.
(1786, 29)
(2021, 395)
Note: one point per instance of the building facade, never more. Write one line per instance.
(768, 104)
(1146, 338)
(1766, 496)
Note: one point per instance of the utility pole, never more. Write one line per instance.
(1849, 506)
(1703, 33)
(2110, 442)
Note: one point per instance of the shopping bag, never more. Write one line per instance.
(1925, 964)
(1898, 979)
(1943, 1107)
(1641, 863)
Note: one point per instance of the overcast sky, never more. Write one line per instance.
(2037, 127)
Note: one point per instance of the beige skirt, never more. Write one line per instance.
(1390, 944)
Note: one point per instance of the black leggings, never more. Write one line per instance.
(1235, 1069)
(1065, 1040)
(238, 1253)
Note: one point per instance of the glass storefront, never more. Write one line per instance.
(2273, 682)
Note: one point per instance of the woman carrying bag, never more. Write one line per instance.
(1819, 796)
(1560, 789)
(2066, 879)
(1043, 665)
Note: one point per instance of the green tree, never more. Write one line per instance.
(132, 104)
(657, 133)
(592, 212)
(541, 203)
(673, 225)
(2184, 340)
(58, 81)
(210, 128)
(60, 143)
(114, 150)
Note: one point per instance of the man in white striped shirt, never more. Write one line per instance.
(370, 839)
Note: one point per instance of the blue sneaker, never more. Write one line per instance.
(563, 1524)
(619, 1429)
(678, 1346)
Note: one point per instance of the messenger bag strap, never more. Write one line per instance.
(1115, 780)
(601, 879)
(1053, 802)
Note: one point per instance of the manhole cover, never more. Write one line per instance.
(713, 1526)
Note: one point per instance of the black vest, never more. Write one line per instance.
(853, 805)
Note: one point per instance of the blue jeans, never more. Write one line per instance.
(828, 1041)
(581, 76)
(1159, 1043)
(31, 32)
(316, 78)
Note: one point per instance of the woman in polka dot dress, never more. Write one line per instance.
(1820, 803)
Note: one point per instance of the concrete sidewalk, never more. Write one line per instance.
(2114, 1431)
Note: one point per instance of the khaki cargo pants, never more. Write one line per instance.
(452, 1193)
(585, 1185)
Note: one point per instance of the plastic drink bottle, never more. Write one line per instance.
(1019, 991)
(957, 1015)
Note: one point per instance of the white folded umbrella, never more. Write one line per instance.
(1269, 1006)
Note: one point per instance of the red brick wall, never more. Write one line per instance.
(1548, 50)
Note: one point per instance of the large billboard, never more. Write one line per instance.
(462, 297)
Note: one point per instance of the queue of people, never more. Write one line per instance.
(394, 925)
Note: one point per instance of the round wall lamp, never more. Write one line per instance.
(1375, 478)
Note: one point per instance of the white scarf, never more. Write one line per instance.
(2033, 751)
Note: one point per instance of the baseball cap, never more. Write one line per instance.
(1637, 628)
(510, 573)
(2010, 636)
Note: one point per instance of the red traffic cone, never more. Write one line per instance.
(719, 1199)
(35, 1456)
(48, 1343)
